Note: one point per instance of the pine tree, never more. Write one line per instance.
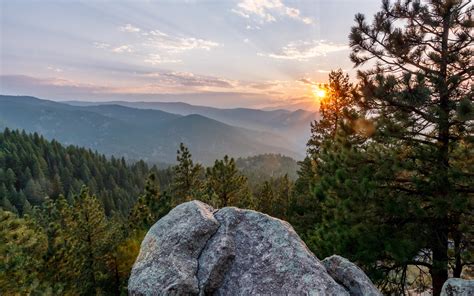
(187, 181)
(81, 243)
(6, 204)
(224, 181)
(332, 108)
(336, 110)
(304, 209)
(92, 237)
(22, 247)
(422, 91)
(56, 187)
(150, 206)
(265, 198)
(274, 197)
(283, 197)
(52, 217)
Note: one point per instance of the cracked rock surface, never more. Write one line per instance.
(195, 250)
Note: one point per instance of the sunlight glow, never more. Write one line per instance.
(318, 91)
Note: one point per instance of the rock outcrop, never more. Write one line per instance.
(195, 250)
(458, 287)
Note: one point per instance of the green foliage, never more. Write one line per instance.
(90, 236)
(187, 178)
(32, 168)
(304, 206)
(274, 197)
(389, 173)
(226, 186)
(333, 108)
(150, 206)
(263, 167)
(82, 243)
(22, 247)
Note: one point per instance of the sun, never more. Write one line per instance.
(319, 91)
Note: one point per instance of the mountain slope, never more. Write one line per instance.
(135, 133)
(32, 168)
(293, 125)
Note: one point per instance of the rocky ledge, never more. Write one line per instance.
(196, 250)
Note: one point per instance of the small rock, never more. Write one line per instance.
(458, 287)
(350, 276)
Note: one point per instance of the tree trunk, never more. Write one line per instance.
(117, 277)
(439, 271)
(457, 255)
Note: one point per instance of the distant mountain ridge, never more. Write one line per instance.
(292, 125)
(134, 133)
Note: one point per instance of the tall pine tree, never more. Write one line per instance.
(187, 179)
(225, 182)
(394, 188)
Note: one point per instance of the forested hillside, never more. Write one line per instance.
(266, 166)
(32, 168)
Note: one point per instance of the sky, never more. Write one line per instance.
(235, 53)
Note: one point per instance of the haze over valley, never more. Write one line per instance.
(153, 131)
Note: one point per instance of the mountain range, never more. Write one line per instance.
(153, 131)
(294, 126)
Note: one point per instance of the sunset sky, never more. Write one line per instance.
(249, 53)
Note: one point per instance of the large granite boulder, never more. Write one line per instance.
(458, 287)
(195, 250)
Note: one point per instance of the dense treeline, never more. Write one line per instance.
(32, 168)
(264, 167)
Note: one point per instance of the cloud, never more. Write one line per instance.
(241, 13)
(157, 46)
(266, 11)
(156, 59)
(263, 85)
(176, 44)
(250, 27)
(47, 87)
(129, 29)
(189, 80)
(122, 49)
(305, 50)
(101, 45)
(306, 81)
(55, 69)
